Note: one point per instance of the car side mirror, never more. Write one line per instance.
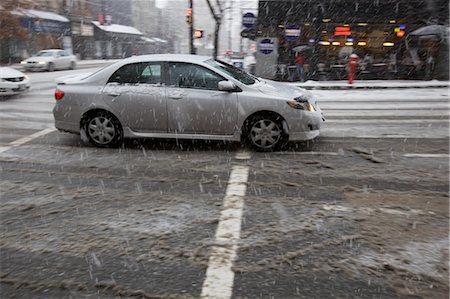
(226, 86)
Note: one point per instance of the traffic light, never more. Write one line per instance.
(189, 16)
(198, 33)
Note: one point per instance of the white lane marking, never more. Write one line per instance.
(426, 155)
(243, 155)
(26, 139)
(309, 153)
(219, 279)
(409, 155)
(388, 121)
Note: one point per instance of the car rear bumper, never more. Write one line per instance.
(67, 126)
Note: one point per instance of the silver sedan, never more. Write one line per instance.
(185, 97)
(50, 60)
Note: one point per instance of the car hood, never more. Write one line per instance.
(7, 72)
(283, 90)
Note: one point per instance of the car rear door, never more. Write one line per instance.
(135, 93)
(194, 103)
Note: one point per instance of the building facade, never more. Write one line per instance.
(376, 30)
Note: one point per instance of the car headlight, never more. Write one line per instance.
(301, 105)
(23, 62)
(42, 62)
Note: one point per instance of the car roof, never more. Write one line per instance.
(168, 57)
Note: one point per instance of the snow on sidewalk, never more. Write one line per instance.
(371, 84)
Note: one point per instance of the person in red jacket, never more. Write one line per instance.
(299, 61)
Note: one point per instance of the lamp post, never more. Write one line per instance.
(190, 20)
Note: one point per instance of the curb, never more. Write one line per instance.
(372, 87)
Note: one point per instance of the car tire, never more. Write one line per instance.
(72, 65)
(51, 67)
(265, 132)
(103, 129)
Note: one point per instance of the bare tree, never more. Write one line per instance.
(10, 26)
(217, 13)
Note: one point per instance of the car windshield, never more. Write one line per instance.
(236, 73)
(44, 53)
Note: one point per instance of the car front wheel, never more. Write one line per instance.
(103, 130)
(51, 67)
(265, 133)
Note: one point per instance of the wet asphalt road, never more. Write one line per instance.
(353, 214)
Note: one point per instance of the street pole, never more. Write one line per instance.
(191, 28)
(317, 25)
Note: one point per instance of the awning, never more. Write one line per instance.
(39, 14)
(116, 28)
(43, 21)
(148, 40)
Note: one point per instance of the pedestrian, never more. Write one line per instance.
(299, 61)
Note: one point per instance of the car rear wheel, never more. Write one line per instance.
(103, 129)
(265, 133)
(51, 67)
(72, 65)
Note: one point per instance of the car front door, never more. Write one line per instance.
(194, 103)
(136, 95)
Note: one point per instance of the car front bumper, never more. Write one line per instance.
(305, 126)
(34, 66)
(12, 88)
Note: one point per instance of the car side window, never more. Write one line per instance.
(186, 75)
(137, 73)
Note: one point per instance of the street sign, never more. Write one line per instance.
(292, 33)
(249, 20)
(266, 46)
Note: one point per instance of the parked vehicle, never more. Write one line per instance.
(184, 96)
(13, 82)
(50, 60)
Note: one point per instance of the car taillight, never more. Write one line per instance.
(59, 95)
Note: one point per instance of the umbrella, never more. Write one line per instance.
(302, 48)
(438, 30)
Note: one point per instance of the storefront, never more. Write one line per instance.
(83, 40)
(332, 30)
(116, 41)
(46, 30)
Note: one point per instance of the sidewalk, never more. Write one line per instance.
(370, 84)
(310, 84)
(80, 63)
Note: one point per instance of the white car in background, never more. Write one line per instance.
(13, 82)
(50, 60)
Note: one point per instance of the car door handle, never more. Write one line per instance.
(177, 97)
(114, 94)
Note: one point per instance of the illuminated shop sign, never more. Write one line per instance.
(345, 31)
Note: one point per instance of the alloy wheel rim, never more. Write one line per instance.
(101, 130)
(265, 133)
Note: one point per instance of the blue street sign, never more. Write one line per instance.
(249, 20)
(266, 46)
(292, 33)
